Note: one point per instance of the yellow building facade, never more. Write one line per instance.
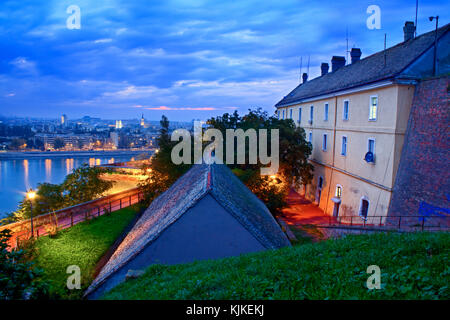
(342, 127)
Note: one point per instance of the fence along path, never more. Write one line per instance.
(70, 216)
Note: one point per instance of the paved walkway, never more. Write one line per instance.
(300, 213)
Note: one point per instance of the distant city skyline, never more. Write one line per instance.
(184, 59)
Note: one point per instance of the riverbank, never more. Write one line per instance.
(17, 155)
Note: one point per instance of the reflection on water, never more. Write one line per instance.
(48, 169)
(17, 176)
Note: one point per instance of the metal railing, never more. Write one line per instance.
(414, 222)
(81, 213)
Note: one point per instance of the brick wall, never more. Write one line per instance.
(422, 185)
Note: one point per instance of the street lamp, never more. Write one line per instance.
(435, 44)
(31, 195)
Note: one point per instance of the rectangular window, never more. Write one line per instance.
(324, 143)
(311, 114)
(325, 111)
(345, 111)
(373, 108)
(299, 115)
(371, 146)
(344, 146)
(278, 114)
(283, 114)
(310, 137)
(290, 113)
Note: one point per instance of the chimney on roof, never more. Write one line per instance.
(337, 62)
(355, 54)
(408, 30)
(324, 68)
(305, 77)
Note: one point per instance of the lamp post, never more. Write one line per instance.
(31, 195)
(435, 44)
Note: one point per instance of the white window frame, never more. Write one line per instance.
(299, 115)
(360, 207)
(370, 108)
(311, 114)
(326, 108)
(335, 191)
(283, 114)
(342, 145)
(290, 113)
(324, 142)
(348, 110)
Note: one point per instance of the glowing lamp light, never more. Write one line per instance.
(31, 194)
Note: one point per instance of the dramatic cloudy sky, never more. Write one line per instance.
(183, 58)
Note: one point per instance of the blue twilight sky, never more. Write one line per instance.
(183, 58)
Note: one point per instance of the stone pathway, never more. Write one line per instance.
(301, 214)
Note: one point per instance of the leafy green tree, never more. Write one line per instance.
(294, 150)
(84, 184)
(19, 279)
(59, 143)
(49, 197)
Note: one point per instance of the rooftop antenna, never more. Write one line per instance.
(346, 39)
(417, 7)
(385, 49)
(300, 75)
(308, 64)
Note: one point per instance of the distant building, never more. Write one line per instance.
(206, 214)
(142, 121)
(356, 118)
(114, 138)
(63, 120)
(119, 124)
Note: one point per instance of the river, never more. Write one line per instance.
(20, 173)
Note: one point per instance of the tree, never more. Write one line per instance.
(84, 184)
(59, 143)
(294, 150)
(19, 279)
(49, 197)
(39, 144)
(17, 144)
(162, 160)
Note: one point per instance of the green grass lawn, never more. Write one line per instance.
(413, 266)
(83, 245)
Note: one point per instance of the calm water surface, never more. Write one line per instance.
(16, 176)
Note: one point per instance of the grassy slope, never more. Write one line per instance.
(83, 245)
(413, 266)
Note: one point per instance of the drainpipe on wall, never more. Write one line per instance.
(334, 151)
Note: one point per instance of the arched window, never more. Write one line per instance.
(320, 184)
(364, 208)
